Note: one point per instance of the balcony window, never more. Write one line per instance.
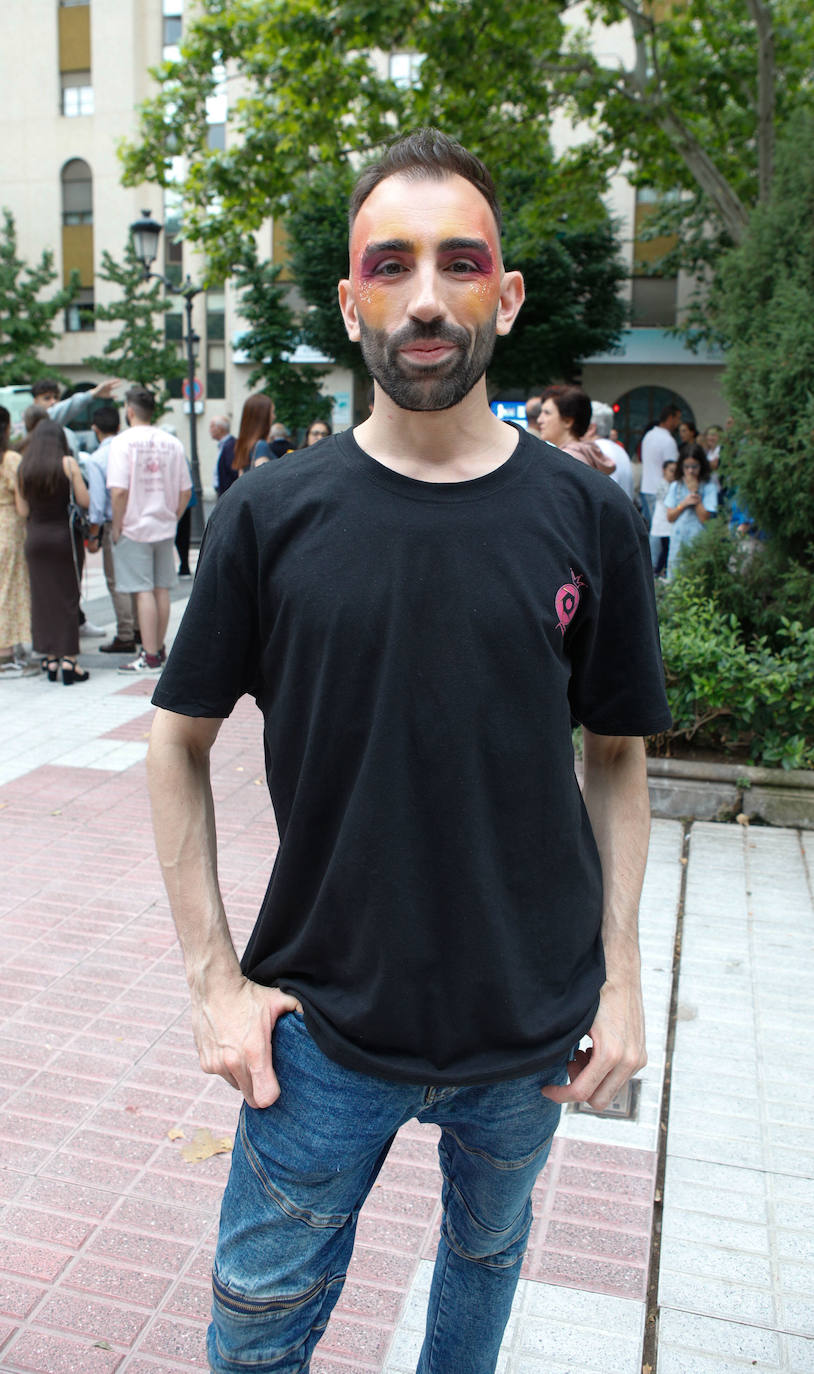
(79, 314)
(77, 94)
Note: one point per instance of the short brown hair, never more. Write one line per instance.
(141, 401)
(573, 404)
(426, 154)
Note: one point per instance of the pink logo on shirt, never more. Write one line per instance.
(567, 600)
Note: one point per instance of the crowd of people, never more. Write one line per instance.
(122, 493)
(55, 501)
(674, 483)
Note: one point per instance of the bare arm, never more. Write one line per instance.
(690, 502)
(183, 502)
(118, 504)
(615, 791)
(232, 1017)
(23, 508)
(77, 481)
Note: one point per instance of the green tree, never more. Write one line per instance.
(696, 114)
(311, 95)
(762, 306)
(139, 351)
(271, 338)
(572, 309)
(27, 319)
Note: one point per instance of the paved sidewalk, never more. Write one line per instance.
(106, 1231)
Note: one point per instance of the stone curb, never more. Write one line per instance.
(681, 789)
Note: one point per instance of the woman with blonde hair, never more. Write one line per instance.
(251, 444)
(47, 476)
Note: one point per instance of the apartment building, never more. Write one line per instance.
(84, 69)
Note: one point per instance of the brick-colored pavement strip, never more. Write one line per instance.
(106, 1233)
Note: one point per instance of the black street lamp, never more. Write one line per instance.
(145, 234)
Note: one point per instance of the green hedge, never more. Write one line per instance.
(751, 697)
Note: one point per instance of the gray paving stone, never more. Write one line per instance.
(712, 1337)
(714, 1298)
(797, 1314)
(799, 1350)
(710, 1225)
(728, 1265)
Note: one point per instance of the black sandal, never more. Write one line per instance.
(71, 673)
(52, 665)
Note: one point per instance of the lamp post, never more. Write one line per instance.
(145, 233)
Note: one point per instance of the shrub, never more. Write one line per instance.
(762, 306)
(752, 580)
(743, 696)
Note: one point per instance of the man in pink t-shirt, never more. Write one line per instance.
(150, 487)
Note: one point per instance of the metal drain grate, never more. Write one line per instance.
(624, 1106)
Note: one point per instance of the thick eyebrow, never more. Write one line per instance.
(453, 245)
(388, 246)
(462, 245)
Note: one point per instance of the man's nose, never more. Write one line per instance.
(426, 302)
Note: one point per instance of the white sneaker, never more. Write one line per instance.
(140, 667)
(91, 631)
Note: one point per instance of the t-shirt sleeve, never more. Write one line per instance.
(118, 467)
(709, 498)
(95, 479)
(215, 657)
(617, 673)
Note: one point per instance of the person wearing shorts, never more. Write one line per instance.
(150, 487)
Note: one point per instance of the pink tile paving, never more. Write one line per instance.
(106, 1234)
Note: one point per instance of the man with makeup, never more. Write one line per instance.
(421, 607)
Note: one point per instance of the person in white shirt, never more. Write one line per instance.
(602, 416)
(658, 446)
(150, 487)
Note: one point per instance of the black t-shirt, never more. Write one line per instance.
(418, 651)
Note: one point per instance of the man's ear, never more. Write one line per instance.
(347, 304)
(512, 295)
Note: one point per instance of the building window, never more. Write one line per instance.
(172, 30)
(77, 94)
(653, 302)
(215, 346)
(173, 238)
(79, 314)
(77, 192)
(405, 68)
(77, 241)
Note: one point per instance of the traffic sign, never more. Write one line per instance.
(198, 389)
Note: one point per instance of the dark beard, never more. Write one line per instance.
(436, 387)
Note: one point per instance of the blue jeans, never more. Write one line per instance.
(648, 504)
(301, 1170)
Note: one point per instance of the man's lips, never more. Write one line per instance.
(428, 350)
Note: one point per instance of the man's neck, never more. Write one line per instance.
(453, 445)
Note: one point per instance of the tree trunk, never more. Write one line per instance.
(697, 160)
(761, 16)
(716, 186)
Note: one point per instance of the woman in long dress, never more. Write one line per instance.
(15, 600)
(46, 477)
